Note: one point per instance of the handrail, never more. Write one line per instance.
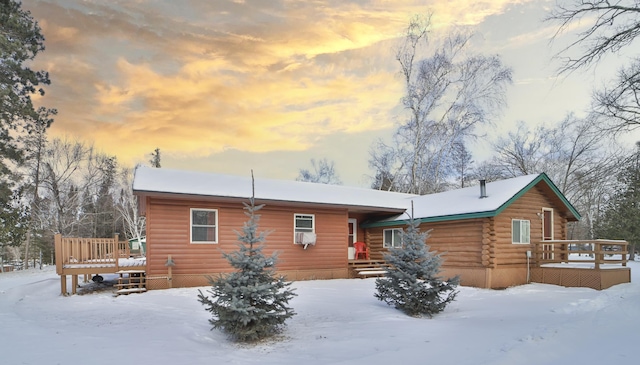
(601, 251)
(76, 250)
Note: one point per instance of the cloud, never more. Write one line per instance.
(200, 77)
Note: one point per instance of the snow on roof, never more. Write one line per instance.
(465, 201)
(440, 206)
(210, 184)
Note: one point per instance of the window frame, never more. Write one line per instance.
(352, 237)
(215, 226)
(297, 229)
(393, 236)
(544, 222)
(521, 231)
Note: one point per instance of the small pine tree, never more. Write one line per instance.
(411, 283)
(249, 304)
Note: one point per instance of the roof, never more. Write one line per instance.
(466, 203)
(450, 205)
(167, 181)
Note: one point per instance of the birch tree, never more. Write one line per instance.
(134, 224)
(447, 95)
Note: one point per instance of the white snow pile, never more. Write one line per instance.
(338, 322)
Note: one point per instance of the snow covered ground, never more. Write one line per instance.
(338, 322)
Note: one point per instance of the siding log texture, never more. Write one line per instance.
(480, 250)
(168, 233)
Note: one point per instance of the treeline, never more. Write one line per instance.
(70, 188)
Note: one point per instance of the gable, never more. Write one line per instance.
(467, 204)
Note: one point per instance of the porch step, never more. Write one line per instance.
(131, 281)
(130, 290)
(368, 268)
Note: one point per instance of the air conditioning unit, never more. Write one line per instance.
(305, 238)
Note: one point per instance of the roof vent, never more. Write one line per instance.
(483, 188)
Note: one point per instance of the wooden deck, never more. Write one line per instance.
(92, 257)
(596, 264)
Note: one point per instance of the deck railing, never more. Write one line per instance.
(598, 252)
(78, 251)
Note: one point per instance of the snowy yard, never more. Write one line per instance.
(338, 322)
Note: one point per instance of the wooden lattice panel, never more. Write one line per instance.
(536, 275)
(551, 276)
(590, 279)
(583, 278)
(569, 278)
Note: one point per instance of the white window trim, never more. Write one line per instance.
(521, 230)
(543, 222)
(355, 229)
(313, 223)
(393, 244)
(191, 226)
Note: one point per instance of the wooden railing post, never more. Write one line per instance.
(116, 252)
(599, 256)
(57, 241)
(625, 251)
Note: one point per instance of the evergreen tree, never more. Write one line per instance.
(155, 158)
(20, 41)
(249, 304)
(619, 219)
(412, 284)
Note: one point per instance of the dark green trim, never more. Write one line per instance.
(492, 213)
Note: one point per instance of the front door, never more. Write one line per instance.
(353, 237)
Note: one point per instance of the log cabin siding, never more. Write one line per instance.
(527, 207)
(168, 233)
(459, 242)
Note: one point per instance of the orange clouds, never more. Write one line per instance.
(265, 76)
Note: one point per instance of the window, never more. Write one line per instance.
(520, 231)
(303, 223)
(391, 238)
(547, 224)
(204, 226)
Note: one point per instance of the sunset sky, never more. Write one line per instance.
(230, 86)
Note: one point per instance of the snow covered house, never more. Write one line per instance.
(493, 236)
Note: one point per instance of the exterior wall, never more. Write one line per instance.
(168, 233)
(527, 207)
(459, 242)
(510, 260)
(480, 250)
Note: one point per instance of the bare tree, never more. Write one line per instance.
(323, 172)
(612, 27)
(620, 100)
(71, 171)
(447, 95)
(576, 156)
(521, 152)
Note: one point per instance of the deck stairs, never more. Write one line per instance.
(367, 268)
(131, 281)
